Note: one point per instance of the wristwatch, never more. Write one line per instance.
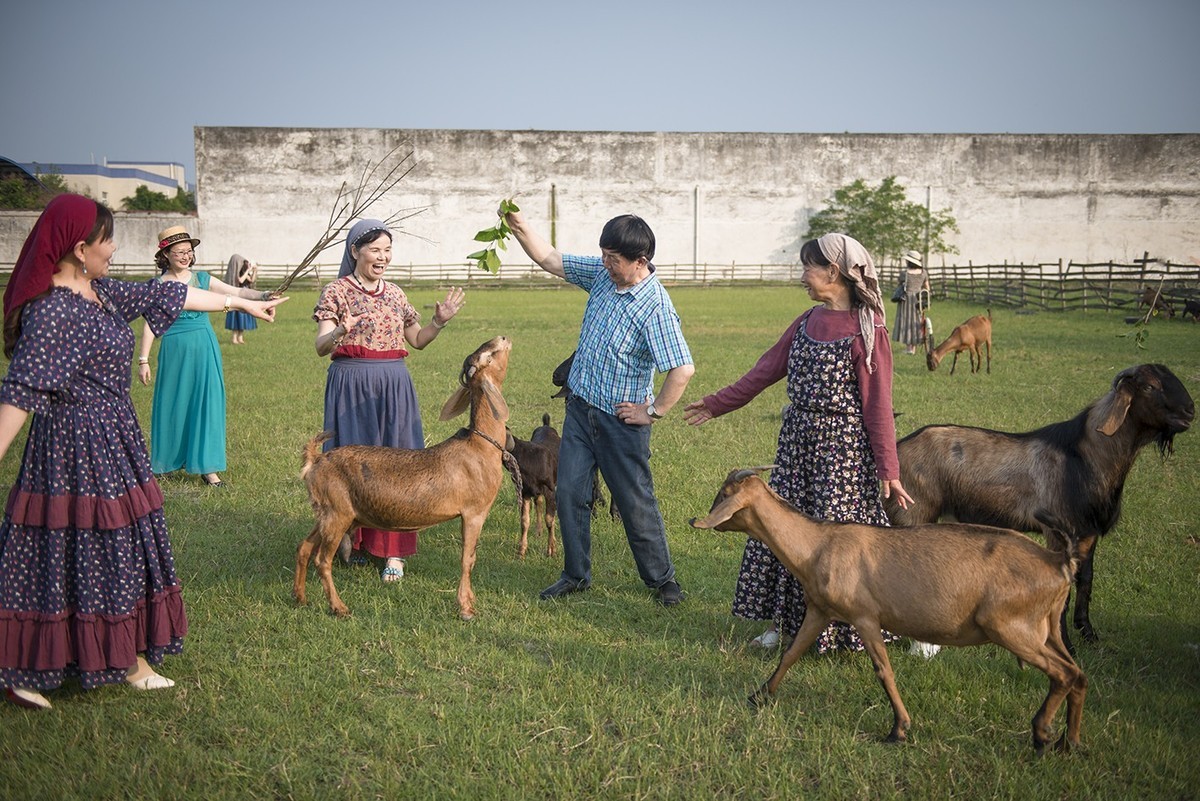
(650, 410)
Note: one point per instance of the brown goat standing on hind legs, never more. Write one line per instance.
(967, 336)
(947, 583)
(1067, 476)
(394, 488)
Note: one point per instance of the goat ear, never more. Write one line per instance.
(1114, 407)
(456, 404)
(496, 401)
(716, 517)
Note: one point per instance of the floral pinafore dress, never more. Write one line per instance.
(825, 468)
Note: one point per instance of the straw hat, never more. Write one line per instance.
(913, 257)
(172, 235)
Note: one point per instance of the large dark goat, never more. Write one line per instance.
(397, 488)
(1067, 476)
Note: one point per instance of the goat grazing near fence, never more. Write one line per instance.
(538, 459)
(968, 336)
(953, 584)
(1191, 306)
(396, 488)
(1066, 476)
(1153, 297)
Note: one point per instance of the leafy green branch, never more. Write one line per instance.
(488, 258)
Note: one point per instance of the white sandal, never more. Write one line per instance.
(30, 699)
(393, 571)
(143, 677)
(768, 639)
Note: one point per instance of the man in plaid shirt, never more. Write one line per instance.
(629, 331)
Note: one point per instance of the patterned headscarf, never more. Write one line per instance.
(856, 264)
(66, 220)
(357, 232)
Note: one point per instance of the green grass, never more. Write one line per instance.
(606, 694)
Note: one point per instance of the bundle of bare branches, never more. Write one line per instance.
(376, 180)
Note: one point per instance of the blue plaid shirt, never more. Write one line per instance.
(625, 336)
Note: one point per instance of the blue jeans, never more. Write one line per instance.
(592, 438)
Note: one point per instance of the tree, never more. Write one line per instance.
(146, 199)
(884, 220)
(17, 192)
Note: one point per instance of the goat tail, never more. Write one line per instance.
(545, 418)
(312, 451)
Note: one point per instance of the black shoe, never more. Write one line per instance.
(564, 586)
(670, 594)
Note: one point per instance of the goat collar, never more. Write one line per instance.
(506, 458)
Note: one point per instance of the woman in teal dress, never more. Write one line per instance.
(187, 421)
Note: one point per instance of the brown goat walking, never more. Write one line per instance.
(951, 584)
(1153, 297)
(395, 488)
(538, 460)
(1067, 476)
(968, 336)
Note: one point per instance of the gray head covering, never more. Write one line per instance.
(357, 232)
(234, 268)
(914, 257)
(856, 264)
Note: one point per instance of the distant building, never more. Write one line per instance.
(113, 181)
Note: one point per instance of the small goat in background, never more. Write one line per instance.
(968, 336)
(952, 584)
(538, 460)
(1153, 297)
(396, 488)
(559, 379)
(1067, 476)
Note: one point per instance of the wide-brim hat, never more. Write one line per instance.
(914, 257)
(174, 235)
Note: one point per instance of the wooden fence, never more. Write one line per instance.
(1053, 286)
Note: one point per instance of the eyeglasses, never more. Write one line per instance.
(183, 254)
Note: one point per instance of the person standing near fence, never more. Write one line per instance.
(629, 331)
(240, 272)
(909, 325)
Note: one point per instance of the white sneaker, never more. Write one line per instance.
(925, 649)
(768, 639)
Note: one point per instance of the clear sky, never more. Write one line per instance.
(128, 79)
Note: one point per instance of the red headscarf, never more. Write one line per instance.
(67, 220)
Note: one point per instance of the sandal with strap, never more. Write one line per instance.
(393, 571)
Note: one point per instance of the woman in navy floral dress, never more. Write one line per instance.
(87, 578)
(837, 444)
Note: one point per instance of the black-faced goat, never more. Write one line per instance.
(1067, 476)
(951, 584)
(559, 379)
(395, 488)
(538, 460)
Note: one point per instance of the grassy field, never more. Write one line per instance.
(607, 694)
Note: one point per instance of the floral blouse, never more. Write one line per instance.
(380, 333)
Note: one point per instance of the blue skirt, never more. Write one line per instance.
(239, 321)
(372, 402)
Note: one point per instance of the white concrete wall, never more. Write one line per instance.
(711, 197)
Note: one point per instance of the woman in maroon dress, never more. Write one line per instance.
(87, 579)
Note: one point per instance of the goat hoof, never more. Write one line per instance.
(340, 611)
(760, 698)
(466, 615)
